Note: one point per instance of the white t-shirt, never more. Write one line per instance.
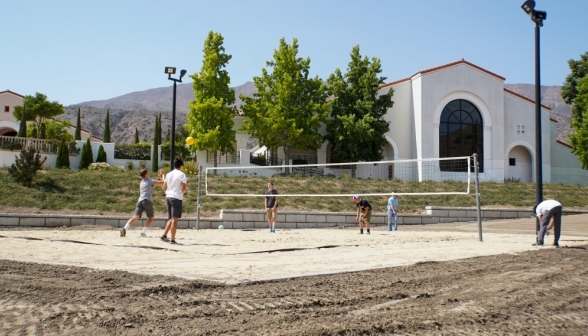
(546, 206)
(174, 181)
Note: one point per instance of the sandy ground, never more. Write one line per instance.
(449, 282)
(233, 256)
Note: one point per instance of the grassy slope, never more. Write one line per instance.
(116, 192)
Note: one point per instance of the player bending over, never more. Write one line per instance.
(145, 202)
(364, 213)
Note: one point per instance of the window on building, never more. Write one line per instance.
(6, 108)
(512, 161)
(460, 134)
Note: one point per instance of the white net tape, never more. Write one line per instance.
(446, 176)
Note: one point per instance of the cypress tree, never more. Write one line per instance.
(22, 130)
(136, 135)
(62, 156)
(101, 154)
(87, 156)
(78, 135)
(106, 136)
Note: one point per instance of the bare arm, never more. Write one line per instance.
(164, 187)
(276, 203)
(551, 224)
(184, 187)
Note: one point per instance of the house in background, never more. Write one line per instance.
(8, 124)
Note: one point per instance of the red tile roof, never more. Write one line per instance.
(563, 144)
(14, 93)
(525, 98)
(461, 61)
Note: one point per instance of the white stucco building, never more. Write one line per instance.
(455, 110)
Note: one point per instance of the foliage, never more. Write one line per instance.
(78, 135)
(575, 92)
(38, 109)
(62, 156)
(136, 135)
(87, 157)
(105, 166)
(101, 154)
(156, 143)
(190, 167)
(22, 129)
(130, 165)
(42, 131)
(25, 167)
(142, 164)
(138, 151)
(58, 130)
(289, 107)
(182, 151)
(106, 135)
(357, 127)
(210, 119)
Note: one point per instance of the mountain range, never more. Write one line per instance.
(138, 110)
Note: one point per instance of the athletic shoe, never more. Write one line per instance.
(538, 244)
(547, 233)
(173, 242)
(143, 234)
(361, 233)
(556, 245)
(368, 232)
(123, 232)
(164, 238)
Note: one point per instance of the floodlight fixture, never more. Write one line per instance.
(170, 70)
(182, 74)
(528, 6)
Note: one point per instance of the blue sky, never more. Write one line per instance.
(76, 51)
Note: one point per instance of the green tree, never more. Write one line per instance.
(87, 157)
(25, 167)
(156, 143)
(210, 119)
(62, 156)
(38, 110)
(289, 107)
(106, 135)
(58, 129)
(22, 129)
(136, 135)
(575, 93)
(356, 128)
(101, 154)
(78, 135)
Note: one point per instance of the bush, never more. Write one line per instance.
(138, 151)
(24, 169)
(130, 165)
(105, 166)
(181, 151)
(142, 164)
(62, 156)
(190, 167)
(87, 157)
(101, 154)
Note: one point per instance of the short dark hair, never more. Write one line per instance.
(178, 162)
(143, 172)
(272, 183)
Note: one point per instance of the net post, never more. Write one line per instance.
(198, 206)
(478, 208)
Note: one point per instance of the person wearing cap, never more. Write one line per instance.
(364, 213)
(545, 211)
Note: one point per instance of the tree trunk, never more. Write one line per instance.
(215, 161)
(287, 155)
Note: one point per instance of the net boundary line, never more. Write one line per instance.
(343, 195)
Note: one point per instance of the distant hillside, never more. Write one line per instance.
(138, 109)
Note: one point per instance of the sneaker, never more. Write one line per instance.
(556, 245)
(164, 238)
(361, 233)
(538, 244)
(547, 233)
(123, 232)
(173, 242)
(143, 234)
(368, 232)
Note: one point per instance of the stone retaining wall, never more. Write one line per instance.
(255, 219)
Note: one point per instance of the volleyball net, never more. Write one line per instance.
(441, 176)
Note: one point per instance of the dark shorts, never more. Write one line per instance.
(174, 208)
(144, 205)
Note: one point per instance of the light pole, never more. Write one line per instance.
(537, 16)
(171, 71)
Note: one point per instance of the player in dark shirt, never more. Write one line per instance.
(364, 213)
(271, 206)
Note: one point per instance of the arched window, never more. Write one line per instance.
(460, 134)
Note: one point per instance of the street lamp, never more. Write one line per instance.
(172, 71)
(537, 16)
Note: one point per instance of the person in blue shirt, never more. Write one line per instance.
(392, 213)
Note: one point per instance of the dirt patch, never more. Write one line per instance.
(538, 292)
